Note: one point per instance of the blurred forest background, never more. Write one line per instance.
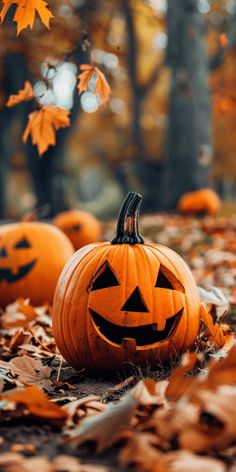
(168, 128)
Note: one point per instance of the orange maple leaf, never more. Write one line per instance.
(42, 125)
(102, 88)
(37, 403)
(26, 11)
(23, 95)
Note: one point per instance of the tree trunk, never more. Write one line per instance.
(189, 146)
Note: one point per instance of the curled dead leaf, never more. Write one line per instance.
(28, 371)
(105, 429)
(23, 95)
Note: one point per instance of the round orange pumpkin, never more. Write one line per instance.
(126, 301)
(32, 256)
(81, 227)
(203, 201)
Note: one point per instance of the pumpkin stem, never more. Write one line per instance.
(127, 231)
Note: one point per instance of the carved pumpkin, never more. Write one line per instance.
(125, 301)
(81, 227)
(32, 256)
(200, 201)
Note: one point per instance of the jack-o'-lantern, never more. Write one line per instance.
(202, 201)
(81, 227)
(32, 256)
(126, 301)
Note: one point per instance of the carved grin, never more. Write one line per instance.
(10, 277)
(143, 335)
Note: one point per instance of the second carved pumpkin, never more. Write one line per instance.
(81, 227)
(32, 256)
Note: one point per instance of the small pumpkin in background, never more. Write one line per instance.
(125, 302)
(201, 201)
(81, 227)
(32, 256)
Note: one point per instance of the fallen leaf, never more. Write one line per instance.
(140, 451)
(101, 87)
(28, 371)
(42, 125)
(214, 427)
(217, 334)
(23, 95)
(179, 383)
(215, 299)
(183, 461)
(105, 429)
(84, 407)
(37, 404)
(18, 314)
(26, 11)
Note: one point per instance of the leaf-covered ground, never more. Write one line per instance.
(56, 419)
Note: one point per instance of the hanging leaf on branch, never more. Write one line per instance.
(101, 87)
(42, 125)
(26, 11)
(23, 95)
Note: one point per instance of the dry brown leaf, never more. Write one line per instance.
(37, 404)
(221, 372)
(133, 379)
(23, 95)
(26, 11)
(179, 383)
(215, 428)
(29, 371)
(13, 462)
(42, 125)
(183, 461)
(105, 429)
(218, 337)
(140, 451)
(79, 409)
(65, 463)
(102, 87)
(148, 392)
(17, 314)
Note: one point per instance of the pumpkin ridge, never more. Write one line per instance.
(72, 303)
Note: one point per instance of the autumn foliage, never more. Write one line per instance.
(26, 11)
(43, 123)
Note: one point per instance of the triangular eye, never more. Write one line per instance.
(166, 279)
(104, 278)
(3, 252)
(23, 243)
(135, 302)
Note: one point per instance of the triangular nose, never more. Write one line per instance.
(135, 302)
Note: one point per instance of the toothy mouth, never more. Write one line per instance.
(142, 335)
(10, 277)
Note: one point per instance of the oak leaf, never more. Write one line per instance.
(42, 125)
(23, 95)
(102, 88)
(26, 11)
